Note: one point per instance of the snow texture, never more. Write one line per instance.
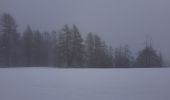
(84, 84)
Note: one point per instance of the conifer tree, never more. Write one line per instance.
(149, 58)
(10, 41)
(27, 47)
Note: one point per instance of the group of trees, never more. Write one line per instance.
(149, 57)
(65, 48)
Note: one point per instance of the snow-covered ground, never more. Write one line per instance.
(84, 84)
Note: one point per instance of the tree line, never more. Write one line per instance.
(66, 48)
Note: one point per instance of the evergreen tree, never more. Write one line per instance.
(98, 54)
(70, 48)
(27, 47)
(65, 46)
(77, 47)
(108, 57)
(123, 57)
(149, 58)
(98, 51)
(10, 41)
(89, 44)
(55, 50)
(47, 46)
(38, 49)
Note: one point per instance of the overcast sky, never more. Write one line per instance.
(117, 21)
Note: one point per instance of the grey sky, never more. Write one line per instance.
(117, 21)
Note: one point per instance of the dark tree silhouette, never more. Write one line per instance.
(97, 52)
(38, 49)
(149, 58)
(10, 41)
(70, 47)
(123, 58)
(27, 47)
(77, 47)
(65, 48)
(47, 48)
(89, 44)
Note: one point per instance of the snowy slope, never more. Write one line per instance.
(84, 84)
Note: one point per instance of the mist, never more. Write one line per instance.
(116, 21)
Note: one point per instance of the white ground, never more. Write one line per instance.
(84, 84)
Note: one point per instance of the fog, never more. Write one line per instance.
(116, 21)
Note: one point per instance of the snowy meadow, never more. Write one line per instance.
(84, 84)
